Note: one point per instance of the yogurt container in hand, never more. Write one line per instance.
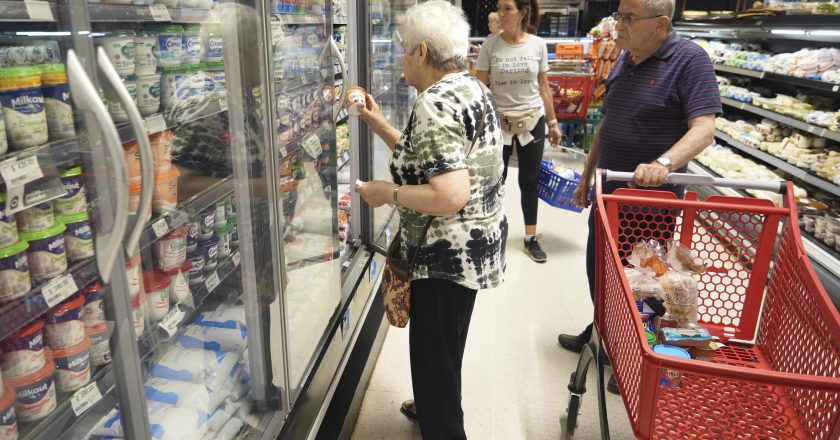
(46, 254)
(35, 394)
(23, 351)
(14, 272)
(78, 237)
(120, 49)
(355, 99)
(72, 366)
(8, 225)
(22, 101)
(75, 201)
(57, 101)
(38, 217)
(8, 419)
(64, 326)
(145, 62)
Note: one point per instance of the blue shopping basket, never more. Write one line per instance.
(556, 190)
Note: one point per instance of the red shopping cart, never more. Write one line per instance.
(777, 375)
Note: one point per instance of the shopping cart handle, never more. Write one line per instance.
(777, 186)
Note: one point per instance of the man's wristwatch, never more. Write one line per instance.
(665, 162)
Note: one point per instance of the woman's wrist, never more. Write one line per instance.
(552, 123)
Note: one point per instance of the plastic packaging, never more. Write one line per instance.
(78, 237)
(166, 422)
(680, 285)
(64, 325)
(230, 317)
(35, 394)
(75, 201)
(211, 368)
(119, 46)
(116, 108)
(690, 335)
(23, 352)
(57, 103)
(22, 102)
(165, 194)
(643, 283)
(14, 272)
(94, 310)
(214, 338)
(36, 218)
(72, 366)
(171, 250)
(145, 62)
(148, 93)
(8, 224)
(100, 348)
(157, 286)
(46, 254)
(8, 419)
(183, 394)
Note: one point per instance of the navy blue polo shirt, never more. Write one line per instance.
(647, 106)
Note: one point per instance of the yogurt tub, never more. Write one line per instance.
(174, 86)
(115, 107)
(35, 394)
(210, 250)
(46, 255)
(57, 101)
(119, 46)
(75, 201)
(38, 217)
(100, 348)
(162, 147)
(193, 231)
(22, 101)
(64, 326)
(207, 221)
(165, 193)
(14, 272)
(216, 73)
(198, 85)
(132, 160)
(234, 233)
(157, 293)
(224, 233)
(179, 290)
(213, 49)
(191, 48)
(134, 191)
(145, 62)
(23, 352)
(72, 366)
(138, 318)
(171, 250)
(135, 278)
(168, 45)
(148, 93)
(196, 259)
(78, 237)
(8, 420)
(94, 309)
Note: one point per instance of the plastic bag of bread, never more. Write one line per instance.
(683, 259)
(648, 254)
(643, 284)
(679, 284)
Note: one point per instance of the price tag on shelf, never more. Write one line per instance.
(20, 172)
(39, 10)
(160, 227)
(155, 124)
(59, 289)
(160, 13)
(212, 281)
(283, 152)
(312, 144)
(85, 398)
(223, 104)
(170, 322)
(835, 88)
(236, 259)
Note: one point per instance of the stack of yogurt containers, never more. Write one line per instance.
(211, 238)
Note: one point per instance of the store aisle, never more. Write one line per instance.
(515, 374)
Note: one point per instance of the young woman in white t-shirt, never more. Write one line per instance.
(517, 62)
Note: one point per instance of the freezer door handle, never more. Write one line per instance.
(115, 86)
(337, 55)
(85, 97)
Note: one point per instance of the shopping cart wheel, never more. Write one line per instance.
(568, 426)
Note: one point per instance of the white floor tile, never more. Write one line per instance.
(515, 374)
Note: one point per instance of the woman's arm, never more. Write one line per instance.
(446, 194)
(548, 103)
(483, 76)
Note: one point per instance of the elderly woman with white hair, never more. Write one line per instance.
(447, 167)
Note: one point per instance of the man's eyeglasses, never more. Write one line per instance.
(629, 18)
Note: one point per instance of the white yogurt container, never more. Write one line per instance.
(38, 217)
(14, 272)
(57, 101)
(46, 254)
(120, 49)
(157, 299)
(174, 86)
(35, 394)
(191, 48)
(145, 62)
(8, 225)
(22, 100)
(116, 108)
(213, 49)
(168, 45)
(171, 250)
(148, 93)
(216, 73)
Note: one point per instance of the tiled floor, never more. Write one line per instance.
(515, 374)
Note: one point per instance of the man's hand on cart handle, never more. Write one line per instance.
(649, 175)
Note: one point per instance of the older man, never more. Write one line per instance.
(659, 112)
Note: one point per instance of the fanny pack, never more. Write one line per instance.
(520, 121)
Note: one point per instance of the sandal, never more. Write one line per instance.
(409, 410)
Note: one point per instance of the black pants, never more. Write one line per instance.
(440, 319)
(529, 156)
(662, 233)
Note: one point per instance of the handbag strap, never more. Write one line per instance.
(472, 145)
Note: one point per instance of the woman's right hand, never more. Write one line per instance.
(582, 193)
(371, 113)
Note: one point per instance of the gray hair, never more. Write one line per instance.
(660, 7)
(444, 29)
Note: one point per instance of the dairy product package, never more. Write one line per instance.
(212, 368)
(231, 429)
(184, 394)
(223, 317)
(166, 423)
(215, 338)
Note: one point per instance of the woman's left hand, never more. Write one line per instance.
(376, 192)
(554, 135)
